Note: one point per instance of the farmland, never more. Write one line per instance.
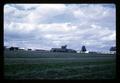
(53, 66)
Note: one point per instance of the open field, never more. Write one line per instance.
(36, 65)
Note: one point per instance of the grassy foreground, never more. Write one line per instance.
(60, 68)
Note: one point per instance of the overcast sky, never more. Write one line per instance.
(46, 26)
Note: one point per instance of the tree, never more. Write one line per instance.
(113, 49)
(83, 49)
(11, 48)
(64, 47)
(16, 48)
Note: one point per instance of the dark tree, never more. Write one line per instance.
(16, 48)
(83, 49)
(64, 47)
(11, 48)
(113, 49)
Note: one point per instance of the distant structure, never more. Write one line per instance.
(13, 48)
(92, 52)
(41, 50)
(63, 49)
(29, 49)
(22, 49)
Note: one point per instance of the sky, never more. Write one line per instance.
(46, 26)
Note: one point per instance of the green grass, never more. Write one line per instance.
(60, 66)
(34, 54)
(69, 70)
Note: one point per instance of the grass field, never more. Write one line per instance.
(53, 66)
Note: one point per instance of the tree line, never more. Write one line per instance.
(83, 48)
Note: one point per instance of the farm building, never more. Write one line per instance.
(63, 49)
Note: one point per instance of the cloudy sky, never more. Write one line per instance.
(46, 26)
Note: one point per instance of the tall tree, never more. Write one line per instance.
(64, 47)
(83, 49)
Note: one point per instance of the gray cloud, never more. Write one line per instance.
(47, 26)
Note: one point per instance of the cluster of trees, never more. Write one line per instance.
(113, 49)
(12, 48)
(62, 49)
(83, 49)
